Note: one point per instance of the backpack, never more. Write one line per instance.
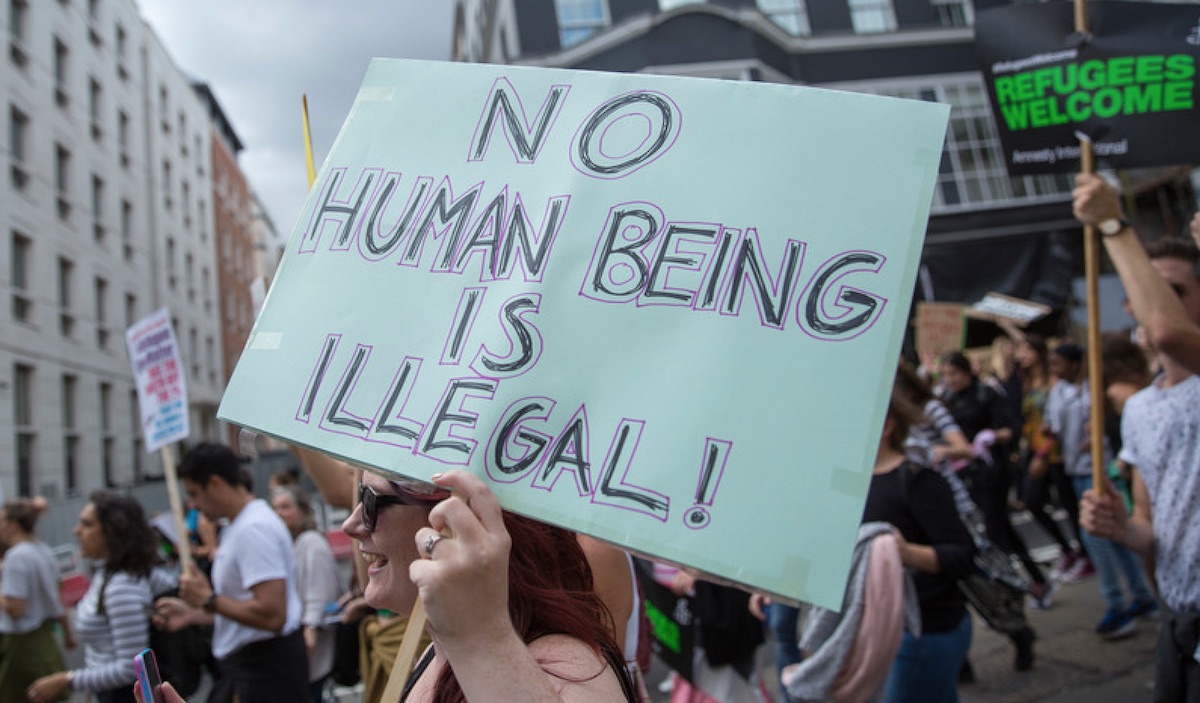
(995, 589)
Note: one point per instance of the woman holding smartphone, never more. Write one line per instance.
(112, 621)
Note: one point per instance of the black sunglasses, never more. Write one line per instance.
(371, 503)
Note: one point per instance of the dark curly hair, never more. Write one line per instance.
(132, 547)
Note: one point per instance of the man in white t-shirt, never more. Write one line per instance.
(1160, 431)
(252, 600)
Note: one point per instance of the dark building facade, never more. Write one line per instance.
(987, 231)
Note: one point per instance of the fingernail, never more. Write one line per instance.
(436, 476)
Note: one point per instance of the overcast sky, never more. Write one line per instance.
(260, 57)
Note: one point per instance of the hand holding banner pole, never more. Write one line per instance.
(1091, 259)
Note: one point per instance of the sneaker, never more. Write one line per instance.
(1146, 609)
(1042, 595)
(1081, 569)
(1117, 623)
(1065, 561)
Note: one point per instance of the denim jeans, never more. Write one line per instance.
(782, 619)
(1113, 559)
(926, 668)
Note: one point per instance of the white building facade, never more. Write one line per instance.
(105, 216)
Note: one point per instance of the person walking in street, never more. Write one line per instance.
(316, 580)
(1161, 434)
(1067, 418)
(112, 620)
(29, 603)
(252, 600)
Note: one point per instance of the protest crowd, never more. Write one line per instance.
(519, 610)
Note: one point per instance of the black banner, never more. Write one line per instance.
(1129, 86)
(671, 621)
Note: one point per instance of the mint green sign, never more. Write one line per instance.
(662, 311)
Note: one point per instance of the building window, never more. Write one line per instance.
(872, 16)
(62, 179)
(972, 171)
(18, 139)
(204, 289)
(166, 177)
(121, 42)
(135, 425)
(580, 19)
(130, 310)
(189, 276)
(94, 107)
(102, 331)
(194, 351)
(61, 55)
(18, 17)
(22, 301)
(185, 195)
(127, 230)
(98, 232)
(210, 356)
(123, 137)
(25, 433)
(791, 15)
(106, 432)
(954, 13)
(66, 319)
(171, 263)
(162, 109)
(70, 432)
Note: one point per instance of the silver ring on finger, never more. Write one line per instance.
(430, 542)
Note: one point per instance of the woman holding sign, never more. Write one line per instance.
(511, 607)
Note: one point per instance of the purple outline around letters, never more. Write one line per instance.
(582, 452)
(334, 339)
(471, 442)
(565, 90)
(677, 125)
(714, 482)
(376, 437)
(538, 342)
(517, 430)
(659, 253)
(317, 218)
(628, 462)
(800, 317)
(364, 228)
(481, 292)
(590, 271)
(751, 235)
(362, 434)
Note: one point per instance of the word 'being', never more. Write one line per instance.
(643, 258)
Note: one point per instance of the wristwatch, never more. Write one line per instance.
(210, 603)
(1112, 226)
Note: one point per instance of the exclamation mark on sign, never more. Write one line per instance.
(716, 453)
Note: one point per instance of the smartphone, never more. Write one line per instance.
(148, 677)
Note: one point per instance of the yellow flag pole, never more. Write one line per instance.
(1091, 265)
(308, 150)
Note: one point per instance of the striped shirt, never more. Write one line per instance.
(112, 638)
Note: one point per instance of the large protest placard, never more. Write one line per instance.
(1129, 86)
(161, 386)
(665, 312)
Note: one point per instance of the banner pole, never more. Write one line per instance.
(308, 150)
(1091, 259)
(182, 545)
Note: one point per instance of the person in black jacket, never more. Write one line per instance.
(936, 546)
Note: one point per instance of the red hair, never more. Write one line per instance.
(550, 592)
